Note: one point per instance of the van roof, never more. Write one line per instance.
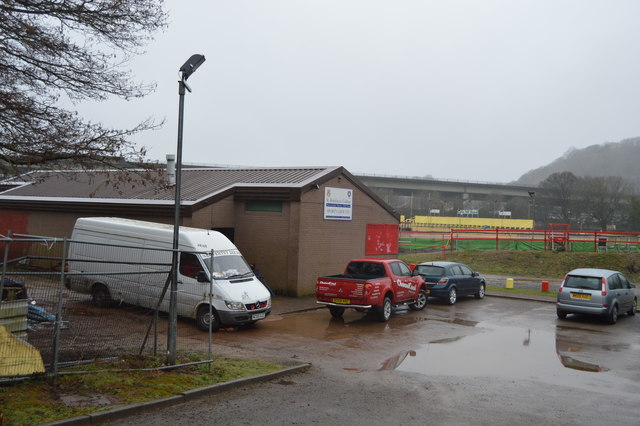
(195, 239)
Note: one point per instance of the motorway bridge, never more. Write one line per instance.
(418, 194)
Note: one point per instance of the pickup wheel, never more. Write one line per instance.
(421, 302)
(384, 312)
(336, 311)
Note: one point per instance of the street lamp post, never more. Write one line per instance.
(186, 70)
(532, 206)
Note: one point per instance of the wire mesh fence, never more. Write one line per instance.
(52, 313)
(529, 240)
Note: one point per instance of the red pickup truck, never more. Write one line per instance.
(372, 285)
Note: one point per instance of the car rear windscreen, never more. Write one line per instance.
(585, 283)
(430, 270)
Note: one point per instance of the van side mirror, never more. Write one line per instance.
(203, 277)
(412, 267)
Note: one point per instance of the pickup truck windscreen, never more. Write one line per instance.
(365, 270)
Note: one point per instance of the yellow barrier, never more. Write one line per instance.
(470, 222)
(509, 283)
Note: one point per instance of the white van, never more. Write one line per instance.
(124, 260)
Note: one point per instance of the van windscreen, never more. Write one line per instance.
(226, 267)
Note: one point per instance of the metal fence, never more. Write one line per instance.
(44, 325)
(533, 240)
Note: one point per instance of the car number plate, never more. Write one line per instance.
(580, 296)
(341, 301)
(257, 316)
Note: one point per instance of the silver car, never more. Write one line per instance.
(596, 292)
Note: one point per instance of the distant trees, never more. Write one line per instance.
(561, 189)
(602, 200)
(633, 221)
(69, 50)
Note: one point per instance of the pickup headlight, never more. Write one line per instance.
(234, 306)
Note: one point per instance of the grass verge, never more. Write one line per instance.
(523, 291)
(537, 264)
(106, 385)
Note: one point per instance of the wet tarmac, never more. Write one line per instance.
(517, 353)
(491, 361)
(509, 339)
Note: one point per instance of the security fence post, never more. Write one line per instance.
(7, 244)
(58, 323)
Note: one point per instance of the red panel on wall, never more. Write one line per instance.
(381, 239)
(16, 221)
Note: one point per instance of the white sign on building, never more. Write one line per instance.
(338, 203)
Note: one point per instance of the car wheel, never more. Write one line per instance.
(561, 314)
(384, 311)
(631, 312)
(203, 318)
(453, 296)
(480, 293)
(421, 302)
(612, 318)
(100, 296)
(336, 311)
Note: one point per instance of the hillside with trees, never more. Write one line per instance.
(608, 159)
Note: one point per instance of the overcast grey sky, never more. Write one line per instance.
(480, 90)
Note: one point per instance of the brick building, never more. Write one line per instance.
(294, 224)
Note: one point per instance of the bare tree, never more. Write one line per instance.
(53, 50)
(560, 189)
(633, 223)
(602, 197)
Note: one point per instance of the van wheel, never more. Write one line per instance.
(384, 311)
(202, 319)
(100, 296)
(336, 311)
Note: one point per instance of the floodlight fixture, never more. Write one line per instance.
(191, 65)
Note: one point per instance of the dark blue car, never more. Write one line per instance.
(449, 280)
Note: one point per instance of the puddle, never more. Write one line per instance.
(395, 361)
(515, 353)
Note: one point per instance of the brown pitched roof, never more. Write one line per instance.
(94, 191)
